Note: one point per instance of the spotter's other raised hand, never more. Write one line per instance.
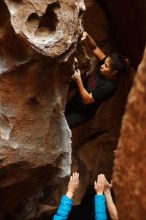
(73, 184)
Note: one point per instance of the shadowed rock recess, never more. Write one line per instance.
(127, 24)
(37, 40)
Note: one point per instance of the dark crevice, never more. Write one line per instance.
(33, 102)
(81, 13)
(90, 137)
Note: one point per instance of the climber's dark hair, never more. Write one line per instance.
(118, 62)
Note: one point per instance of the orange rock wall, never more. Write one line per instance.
(130, 162)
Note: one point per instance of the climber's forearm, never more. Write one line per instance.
(111, 206)
(93, 46)
(85, 96)
(90, 42)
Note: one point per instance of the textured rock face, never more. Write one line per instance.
(50, 26)
(130, 163)
(34, 137)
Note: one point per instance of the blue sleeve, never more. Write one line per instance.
(100, 208)
(63, 209)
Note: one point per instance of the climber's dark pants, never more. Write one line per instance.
(75, 113)
(76, 119)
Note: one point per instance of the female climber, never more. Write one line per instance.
(97, 87)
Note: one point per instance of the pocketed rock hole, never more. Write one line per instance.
(49, 21)
(33, 22)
